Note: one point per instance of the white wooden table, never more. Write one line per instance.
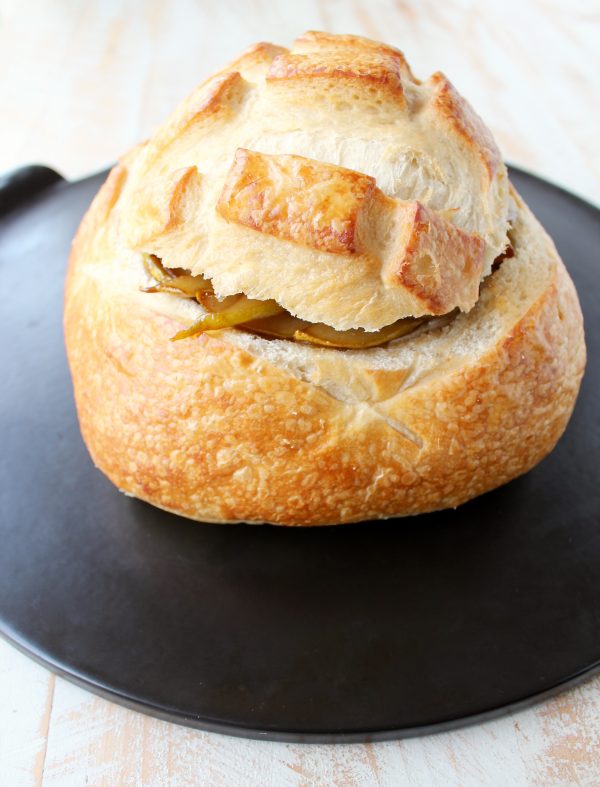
(80, 83)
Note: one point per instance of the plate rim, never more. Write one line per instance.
(172, 715)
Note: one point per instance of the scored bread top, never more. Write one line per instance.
(328, 179)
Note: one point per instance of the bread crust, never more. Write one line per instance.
(217, 432)
(329, 179)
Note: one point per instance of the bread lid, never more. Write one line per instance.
(328, 179)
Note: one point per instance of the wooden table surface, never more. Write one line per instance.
(81, 82)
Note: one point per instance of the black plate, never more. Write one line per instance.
(362, 632)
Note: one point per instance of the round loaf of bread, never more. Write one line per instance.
(329, 181)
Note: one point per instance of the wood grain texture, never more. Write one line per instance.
(86, 81)
(82, 83)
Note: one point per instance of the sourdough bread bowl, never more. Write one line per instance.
(368, 320)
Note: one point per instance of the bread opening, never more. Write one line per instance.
(268, 318)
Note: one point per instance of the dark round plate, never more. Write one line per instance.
(361, 632)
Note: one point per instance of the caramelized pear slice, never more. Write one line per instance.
(285, 326)
(243, 310)
(191, 285)
(211, 303)
(166, 288)
(155, 269)
(280, 326)
(182, 286)
(175, 281)
(356, 338)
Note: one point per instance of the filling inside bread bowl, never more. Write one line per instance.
(268, 318)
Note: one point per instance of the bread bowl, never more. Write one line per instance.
(369, 321)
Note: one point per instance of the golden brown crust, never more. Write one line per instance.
(111, 191)
(215, 433)
(255, 57)
(316, 40)
(295, 199)
(390, 64)
(210, 101)
(454, 110)
(428, 240)
(163, 210)
(382, 71)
